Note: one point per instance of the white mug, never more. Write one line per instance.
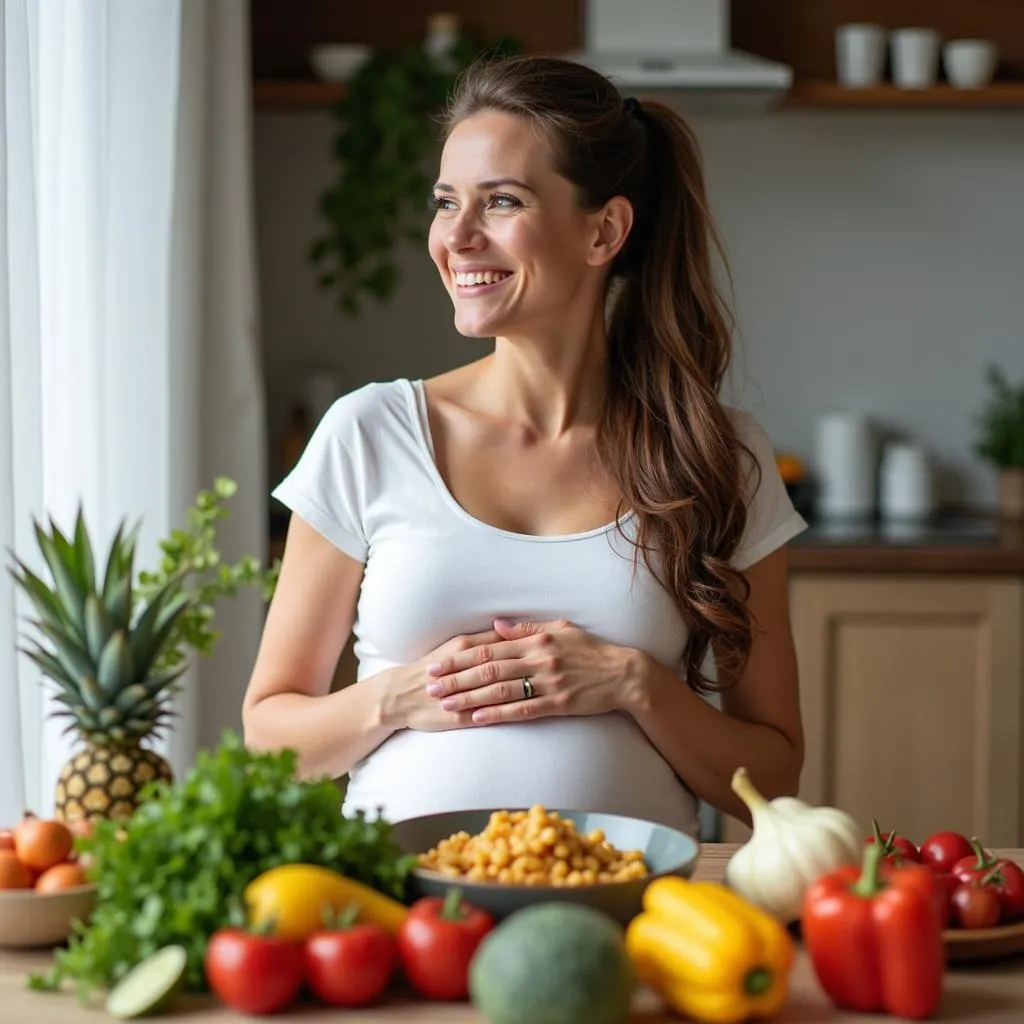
(860, 55)
(905, 483)
(915, 57)
(969, 63)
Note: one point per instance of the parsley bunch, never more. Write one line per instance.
(175, 871)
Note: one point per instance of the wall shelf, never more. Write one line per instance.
(308, 94)
(819, 94)
(296, 94)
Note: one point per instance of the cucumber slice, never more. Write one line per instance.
(149, 986)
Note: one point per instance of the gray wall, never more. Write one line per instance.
(878, 263)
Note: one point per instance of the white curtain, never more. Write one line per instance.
(129, 364)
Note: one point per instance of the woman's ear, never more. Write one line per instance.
(613, 222)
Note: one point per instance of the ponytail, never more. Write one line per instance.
(665, 438)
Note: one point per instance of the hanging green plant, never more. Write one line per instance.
(386, 126)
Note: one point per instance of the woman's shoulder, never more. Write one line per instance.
(370, 406)
(752, 434)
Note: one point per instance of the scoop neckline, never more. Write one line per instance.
(416, 397)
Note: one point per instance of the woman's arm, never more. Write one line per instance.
(759, 725)
(288, 702)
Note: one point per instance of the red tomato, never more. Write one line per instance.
(942, 850)
(898, 849)
(1008, 882)
(437, 941)
(976, 906)
(254, 974)
(350, 965)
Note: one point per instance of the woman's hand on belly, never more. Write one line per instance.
(407, 705)
(570, 672)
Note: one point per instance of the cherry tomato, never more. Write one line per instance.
(252, 973)
(437, 941)
(942, 850)
(976, 906)
(350, 964)
(898, 849)
(1008, 882)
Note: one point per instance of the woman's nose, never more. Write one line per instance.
(464, 232)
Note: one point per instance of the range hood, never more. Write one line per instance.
(679, 47)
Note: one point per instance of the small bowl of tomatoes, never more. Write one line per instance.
(44, 888)
(983, 892)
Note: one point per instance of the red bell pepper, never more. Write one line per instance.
(436, 942)
(1003, 875)
(874, 937)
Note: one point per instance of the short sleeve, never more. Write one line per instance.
(327, 486)
(772, 519)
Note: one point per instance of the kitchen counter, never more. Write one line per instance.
(993, 993)
(954, 545)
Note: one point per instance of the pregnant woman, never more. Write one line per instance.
(551, 556)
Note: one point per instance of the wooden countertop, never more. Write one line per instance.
(965, 546)
(992, 992)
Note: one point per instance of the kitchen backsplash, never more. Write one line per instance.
(877, 262)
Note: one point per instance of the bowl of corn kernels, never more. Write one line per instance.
(506, 859)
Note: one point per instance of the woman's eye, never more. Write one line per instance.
(503, 201)
(440, 203)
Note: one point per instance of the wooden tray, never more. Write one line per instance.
(964, 945)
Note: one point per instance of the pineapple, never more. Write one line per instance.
(106, 663)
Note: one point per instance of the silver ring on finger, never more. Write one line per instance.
(527, 689)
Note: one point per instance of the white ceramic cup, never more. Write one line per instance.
(969, 63)
(915, 57)
(860, 55)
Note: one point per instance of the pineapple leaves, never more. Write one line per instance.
(51, 667)
(98, 626)
(42, 597)
(116, 668)
(83, 554)
(60, 559)
(72, 655)
(117, 580)
(155, 624)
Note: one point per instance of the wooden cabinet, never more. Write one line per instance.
(912, 691)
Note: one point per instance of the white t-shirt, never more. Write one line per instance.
(368, 482)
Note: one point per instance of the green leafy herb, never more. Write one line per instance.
(191, 553)
(175, 872)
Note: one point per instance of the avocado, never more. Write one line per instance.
(553, 963)
(149, 986)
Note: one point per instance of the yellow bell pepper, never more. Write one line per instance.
(290, 900)
(708, 953)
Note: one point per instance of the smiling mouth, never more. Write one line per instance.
(481, 279)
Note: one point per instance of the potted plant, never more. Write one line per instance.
(385, 128)
(114, 644)
(1001, 441)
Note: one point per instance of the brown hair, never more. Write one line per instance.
(665, 438)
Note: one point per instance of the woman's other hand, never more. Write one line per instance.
(405, 703)
(570, 672)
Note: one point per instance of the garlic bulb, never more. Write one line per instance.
(792, 844)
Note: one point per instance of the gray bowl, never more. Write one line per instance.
(666, 851)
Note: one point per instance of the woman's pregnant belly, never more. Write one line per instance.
(597, 763)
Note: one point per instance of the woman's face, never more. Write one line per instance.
(512, 245)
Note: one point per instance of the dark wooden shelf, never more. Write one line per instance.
(301, 94)
(999, 95)
(297, 94)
